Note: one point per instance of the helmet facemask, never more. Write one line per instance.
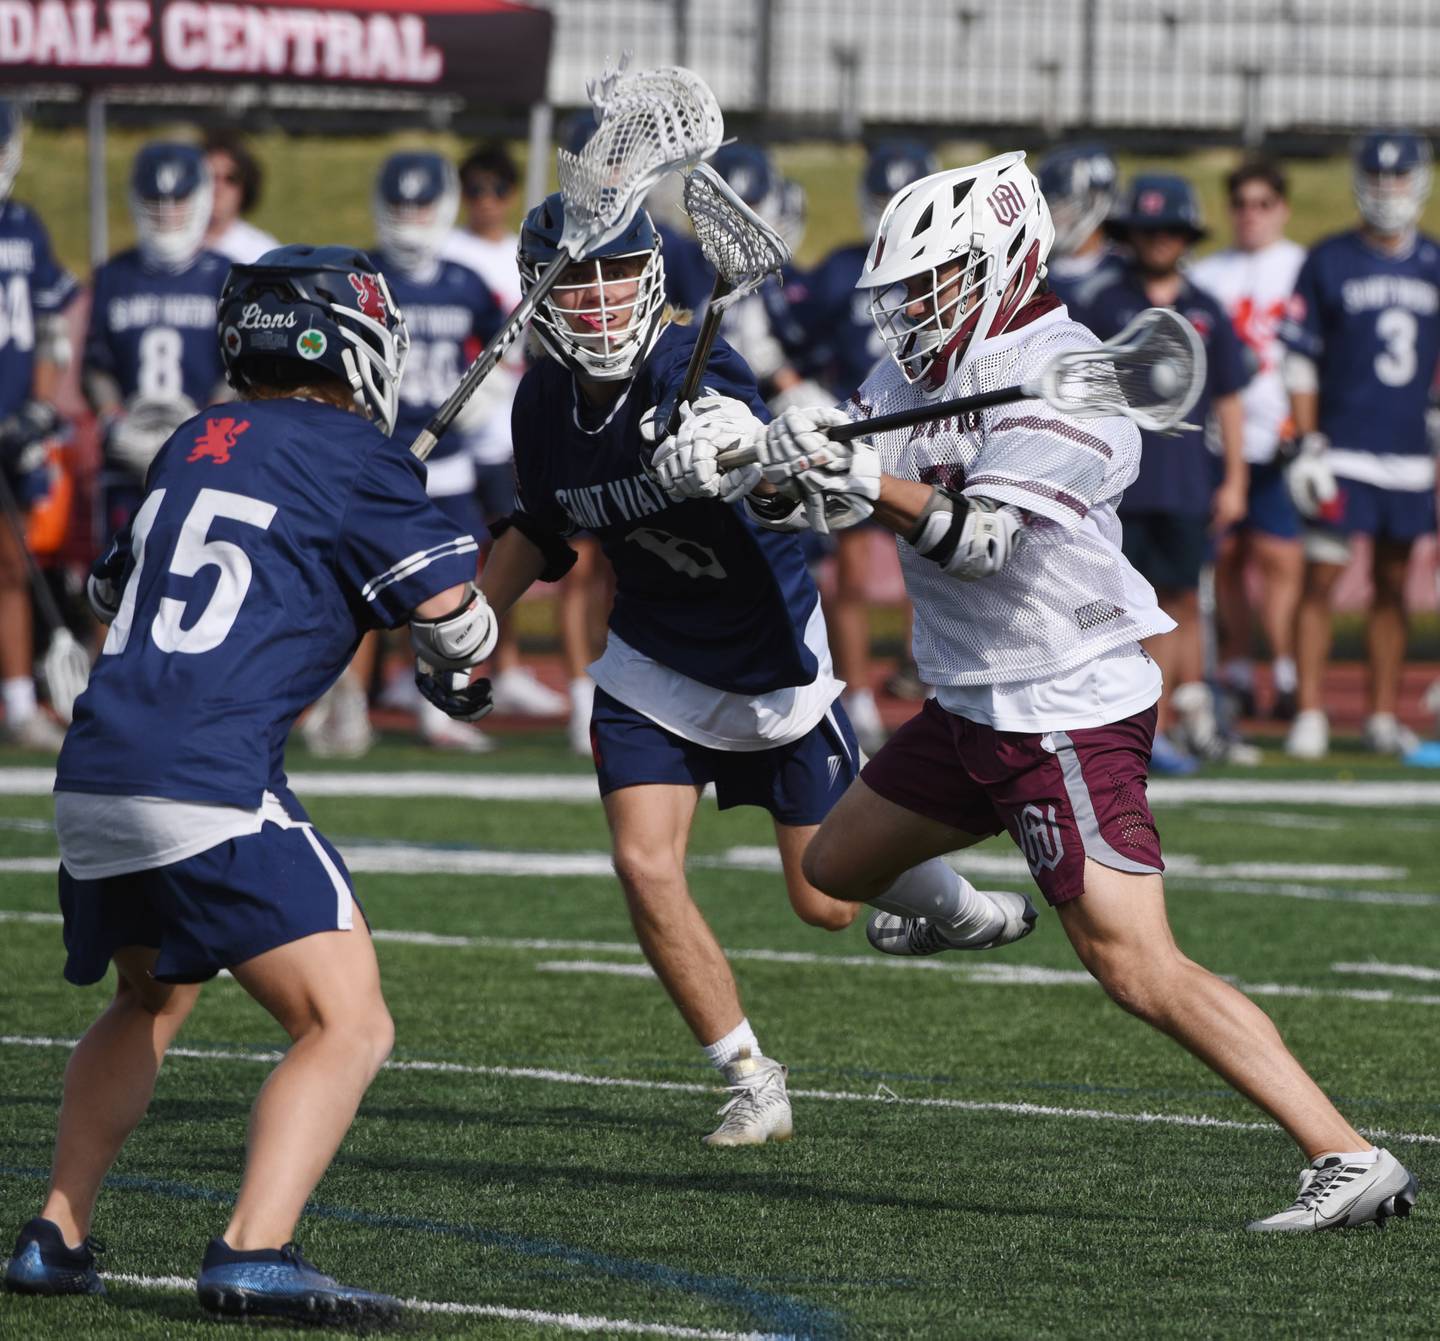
(597, 322)
(11, 153)
(949, 303)
(411, 234)
(171, 228)
(1391, 202)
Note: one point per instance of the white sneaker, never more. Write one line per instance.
(1334, 1194)
(1384, 734)
(892, 934)
(758, 1109)
(518, 691)
(582, 704)
(1309, 736)
(36, 732)
(442, 732)
(1194, 706)
(865, 718)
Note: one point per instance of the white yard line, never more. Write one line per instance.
(979, 972)
(582, 787)
(883, 1096)
(570, 1322)
(1415, 972)
(1181, 869)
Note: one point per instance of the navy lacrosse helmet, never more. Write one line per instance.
(11, 143)
(1080, 183)
(1159, 201)
(170, 195)
(748, 172)
(891, 166)
(301, 311)
(1392, 178)
(577, 129)
(595, 322)
(416, 196)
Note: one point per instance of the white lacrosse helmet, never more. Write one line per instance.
(988, 228)
(170, 195)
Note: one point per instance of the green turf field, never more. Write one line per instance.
(318, 187)
(984, 1147)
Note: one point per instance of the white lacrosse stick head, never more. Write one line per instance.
(67, 671)
(742, 247)
(653, 122)
(1152, 372)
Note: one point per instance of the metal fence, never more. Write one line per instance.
(1218, 69)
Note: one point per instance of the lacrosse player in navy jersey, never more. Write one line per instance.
(1028, 620)
(447, 307)
(1184, 494)
(34, 349)
(716, 668)
(844, 348)
(1081, 183)
(1363, 333)
(273, 532)
(150, 354)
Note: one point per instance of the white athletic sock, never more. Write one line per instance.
(19, 697)
(724, 1051)
(933, 890)
(1285, 678)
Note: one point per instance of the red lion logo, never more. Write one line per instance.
(368, 297)
(215, 442)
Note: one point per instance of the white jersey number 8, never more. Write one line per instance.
(160, 376)
(193, 551)
(1395, 365)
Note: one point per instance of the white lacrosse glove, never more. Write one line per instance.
(839, 482)
(687, 466)
(1309, 478)
(137, 436)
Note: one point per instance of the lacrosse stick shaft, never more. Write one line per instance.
(700, 355)
(922, 414)
(485, 362)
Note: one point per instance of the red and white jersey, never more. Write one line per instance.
(1254, 287)
(1067, 594)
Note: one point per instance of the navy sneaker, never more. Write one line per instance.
(42, 1264)
(280, 1283)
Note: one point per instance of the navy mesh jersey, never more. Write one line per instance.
(272, 535)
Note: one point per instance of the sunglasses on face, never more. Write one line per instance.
(478, 189)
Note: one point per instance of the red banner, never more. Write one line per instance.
(492, 51)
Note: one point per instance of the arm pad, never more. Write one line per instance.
(968, 537)
(559, 557)
(459, 640)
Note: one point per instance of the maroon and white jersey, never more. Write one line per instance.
(1255, 287)
(1067, 594)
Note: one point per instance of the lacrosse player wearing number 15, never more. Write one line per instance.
(1028, 619)
(716, 669)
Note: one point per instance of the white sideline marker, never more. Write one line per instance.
(570, 1322)
(581, 1078)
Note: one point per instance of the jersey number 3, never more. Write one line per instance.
(1395, 365)
(194, 550)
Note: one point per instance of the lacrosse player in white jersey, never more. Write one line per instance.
(1028, 621)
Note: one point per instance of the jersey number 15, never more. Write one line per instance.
(194, 550)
